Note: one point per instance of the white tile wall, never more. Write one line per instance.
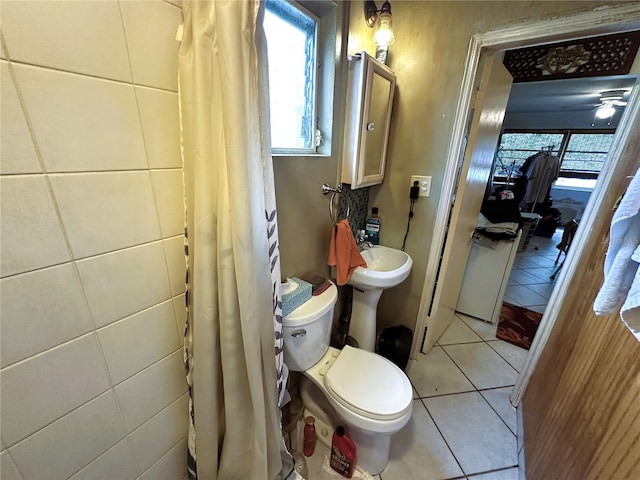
(86, 297)
(151, 35)
(167, 184)
(117, 462)
(174, 250)
(65, 446)
(85, 37)
(159, 116)
(40, 310)
(103, 212)
(8, 468)
(41, 389)
(82, 123)
(18, 152)
(149, 391)
(27, 219)
(136, 342)
(124, 282)
(171, 466)
(156, 437)
(181, 316)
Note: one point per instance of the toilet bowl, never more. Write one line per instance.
(370, 394)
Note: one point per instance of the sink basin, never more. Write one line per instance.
(386, 268)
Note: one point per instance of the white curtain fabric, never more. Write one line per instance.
(233, 280)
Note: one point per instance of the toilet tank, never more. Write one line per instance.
(307, 330)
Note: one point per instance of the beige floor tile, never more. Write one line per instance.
(507, 474)
(482, 365)
(524, 296)
(419, 451)
(498, 398)
(458, 332)
(486, 331)
(436, 374)
(515, 356)
(477, 436)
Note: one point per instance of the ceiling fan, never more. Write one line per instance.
(608, 101)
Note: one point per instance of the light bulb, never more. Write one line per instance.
(605, 111)
(384, 31)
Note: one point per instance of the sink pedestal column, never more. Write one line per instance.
(363, 317)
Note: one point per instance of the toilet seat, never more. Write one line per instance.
(369, 384)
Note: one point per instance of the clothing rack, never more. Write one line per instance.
(333, 191)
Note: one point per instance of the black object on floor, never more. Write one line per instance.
(395, 344)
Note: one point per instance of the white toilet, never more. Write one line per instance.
(370, 394)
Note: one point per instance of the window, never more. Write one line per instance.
(582, 153)
(292, 42)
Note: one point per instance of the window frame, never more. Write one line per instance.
(315, 115)
(561, 149)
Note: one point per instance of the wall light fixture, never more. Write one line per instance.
(381, 20)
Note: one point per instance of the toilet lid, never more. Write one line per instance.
(370, 384)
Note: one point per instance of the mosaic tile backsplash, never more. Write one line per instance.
(358, 201)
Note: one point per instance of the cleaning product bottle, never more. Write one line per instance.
(309, 442)
(373, 227)
(343, 453)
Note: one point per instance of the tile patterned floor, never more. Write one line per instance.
(463, 425)
(529, 284)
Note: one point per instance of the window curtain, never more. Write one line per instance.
(233, 270)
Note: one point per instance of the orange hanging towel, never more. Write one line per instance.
(344, 253)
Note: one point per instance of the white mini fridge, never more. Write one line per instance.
(485, 279)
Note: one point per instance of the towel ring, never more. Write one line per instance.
(328, 189)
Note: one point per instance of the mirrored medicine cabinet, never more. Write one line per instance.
(370, 91)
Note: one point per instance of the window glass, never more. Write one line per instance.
(516, 147)
(291, 43)
(586, 152)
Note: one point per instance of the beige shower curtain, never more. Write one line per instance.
(231, 248)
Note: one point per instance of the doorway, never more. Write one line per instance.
(618, 19)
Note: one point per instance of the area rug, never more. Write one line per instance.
(517, 325)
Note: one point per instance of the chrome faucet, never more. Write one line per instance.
(361, 241)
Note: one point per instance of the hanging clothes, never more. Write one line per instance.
(543, 171)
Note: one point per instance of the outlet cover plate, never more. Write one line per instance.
(424, 183)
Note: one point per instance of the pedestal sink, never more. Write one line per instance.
(386, 268)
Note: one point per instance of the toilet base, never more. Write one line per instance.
(372, 449)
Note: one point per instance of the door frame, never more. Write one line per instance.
(604, 20)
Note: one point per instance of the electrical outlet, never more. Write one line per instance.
(424, 183)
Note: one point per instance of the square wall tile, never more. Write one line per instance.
(476, 435)
(125, 282)
(419, 451)
(115, 463)
(168, 190)
(170, 467)
(156, 437)
(151, 390)
(65, 446)
(161, 126)
(181, 316)
(8, 468)
(436, 374)
(84, 37)
(151, 37)
(82, 123)
(136, 342)
(30, 232)
(482, 365)
(103, 212)
(174, 251)
(18, 152)
(64, 377)
(40, 310)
